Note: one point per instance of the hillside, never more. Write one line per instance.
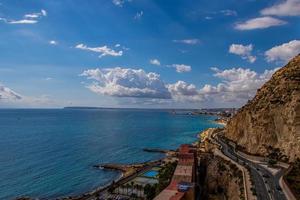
(272, 117)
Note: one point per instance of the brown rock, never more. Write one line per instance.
(272, 117)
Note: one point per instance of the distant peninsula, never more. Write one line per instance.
(84, 107)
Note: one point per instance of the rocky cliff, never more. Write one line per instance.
(223, 179)
(272, 117)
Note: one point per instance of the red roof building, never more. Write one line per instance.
(182, 186)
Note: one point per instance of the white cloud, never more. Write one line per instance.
(10, 98)
(180, 68)
(155, 62)
(53, 42)
(191, 41)
(182, 91)
(138, 15)
(283, 52)
(259, 23)
(120, 2)
(36, 15)
(220, 13)
(244, 51)
(240, 80)
(236, 86)
(44, 12)
(284, 8)
(31, 18)
(3, 19)
(123, 47)
(229, 12)
(126, 82)
(23, 21)
(7, 94)
(33, 15)
(104, 50)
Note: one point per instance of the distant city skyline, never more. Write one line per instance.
(141, 53)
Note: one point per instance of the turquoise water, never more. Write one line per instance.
(50, 153)
(151, 173)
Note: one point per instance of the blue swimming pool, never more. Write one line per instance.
(151, 174)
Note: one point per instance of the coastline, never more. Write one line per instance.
(205, 132)
(122, 175)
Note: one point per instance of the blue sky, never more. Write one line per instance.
(142, 53)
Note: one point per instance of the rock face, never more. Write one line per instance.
(272, 117)
(223, 178)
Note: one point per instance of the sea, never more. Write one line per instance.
(50, 153)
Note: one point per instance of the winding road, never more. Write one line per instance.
(266, 184)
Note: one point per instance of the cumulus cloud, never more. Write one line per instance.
(31, 18)
(181, 68)
(104, 50)
(283, 52)
(244, 51)
(182, 91)
(191, 41)
(237, 83)
(126, 82)
(155, 62)
(284, 8)
(259, 23)
(138, 15)
(236, 86)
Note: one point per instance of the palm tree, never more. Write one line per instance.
(142, 191)
(120, 189)
(132, 184)
(127, 187)
(124, 190)
(135, 189)
(139, 187)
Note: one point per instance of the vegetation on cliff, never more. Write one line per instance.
(293, 178)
